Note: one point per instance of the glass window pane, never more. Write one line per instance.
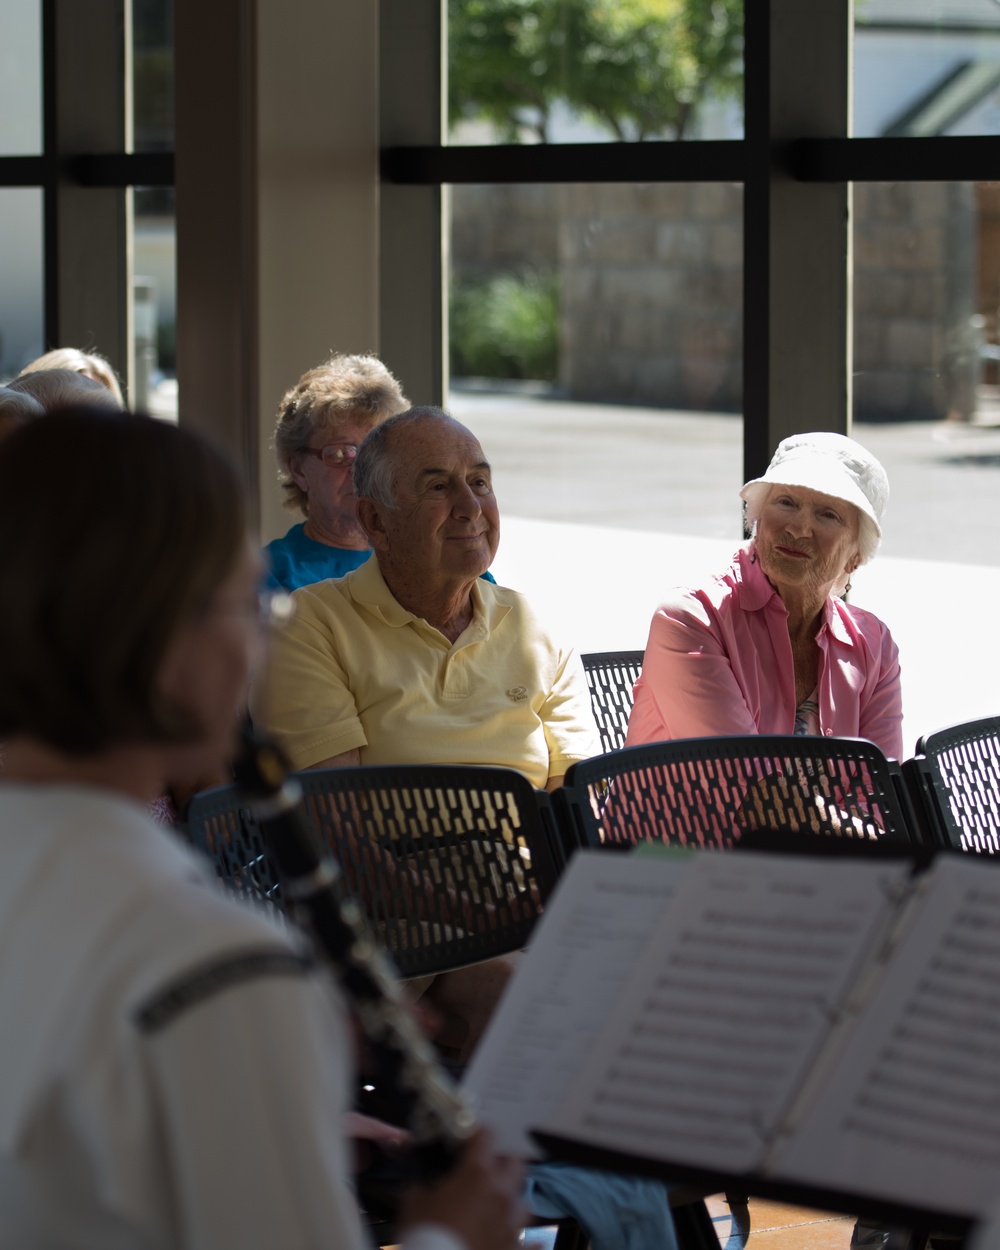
(21, 78)
(926, 352)
(154, 286)
(22, 318)
(931, 68)
(153, 75)
(927, 403)
(596, 340)
(587, 71)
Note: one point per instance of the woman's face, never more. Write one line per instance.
(331, 487)
(806, 541)
(207, 667)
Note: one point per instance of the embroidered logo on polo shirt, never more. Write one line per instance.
(517, 694)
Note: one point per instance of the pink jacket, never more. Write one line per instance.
(719, 662)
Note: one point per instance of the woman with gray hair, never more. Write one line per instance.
(770, 646)
(322, 421)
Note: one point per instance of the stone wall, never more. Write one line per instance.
(652, 280)
(915, 341)
(504, 228)
(651, 288)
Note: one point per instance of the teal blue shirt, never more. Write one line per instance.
(298, 560)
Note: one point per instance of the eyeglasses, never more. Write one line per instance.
(267, 609)
(275, 608)
(335, 454)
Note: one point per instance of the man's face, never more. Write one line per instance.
(446, 523)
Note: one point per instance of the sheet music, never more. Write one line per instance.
(580, 955)
(728, 1007)
(912, 1110)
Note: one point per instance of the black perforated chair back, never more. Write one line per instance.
(709, 792)
(611, 676)
(450, 864)
(955, 778)
(220, 824)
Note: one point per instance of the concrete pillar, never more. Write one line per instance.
(277, 241)
(413, 226)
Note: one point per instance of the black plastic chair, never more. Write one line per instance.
(611, 676)
(709, 792)
(955, 782)
(450, 864)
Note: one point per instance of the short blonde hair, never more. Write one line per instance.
(91, 364)
(356, 387)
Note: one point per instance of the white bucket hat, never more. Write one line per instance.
(831, 464)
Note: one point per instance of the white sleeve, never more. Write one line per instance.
(251, 1084)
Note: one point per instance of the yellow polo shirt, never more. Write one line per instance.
(355, 669)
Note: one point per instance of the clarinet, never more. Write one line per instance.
(429, 1103)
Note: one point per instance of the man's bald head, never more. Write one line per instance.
(384, 451)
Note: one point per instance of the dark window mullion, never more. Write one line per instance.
(756, 241)
(690, 161)
(50, 183)
(116, 169)
(24, 171)
(806, 159)
(965, 158)
(120, 169)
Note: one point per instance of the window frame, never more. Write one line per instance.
(85, 173)
(796, 163)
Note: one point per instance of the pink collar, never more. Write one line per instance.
(756, 592)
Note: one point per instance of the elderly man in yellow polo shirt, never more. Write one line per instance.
(412, 659)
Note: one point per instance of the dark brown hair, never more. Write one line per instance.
(141, 523)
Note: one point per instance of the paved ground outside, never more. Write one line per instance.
(604, 508)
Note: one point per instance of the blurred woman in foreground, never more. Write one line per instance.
(174, 1068)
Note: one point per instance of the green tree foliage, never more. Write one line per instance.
(637, 67)
(505, 326)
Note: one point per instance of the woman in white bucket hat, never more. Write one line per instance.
(769, 646)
